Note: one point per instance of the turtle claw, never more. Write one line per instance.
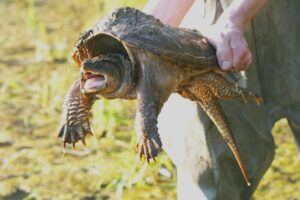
(73, 132)
(89, 133)
(258, 100)
(149, 147)
(83, 142)
(61, 132)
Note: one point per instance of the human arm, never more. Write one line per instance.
(226, 35)
(169, 12)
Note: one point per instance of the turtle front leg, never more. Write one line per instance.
(149, 141)
(150, 98)
(75, 123)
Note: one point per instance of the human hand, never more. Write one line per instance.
(232, 49)
(226, 35)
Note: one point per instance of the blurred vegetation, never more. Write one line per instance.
(36, 37)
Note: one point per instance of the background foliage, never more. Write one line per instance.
(36, 37)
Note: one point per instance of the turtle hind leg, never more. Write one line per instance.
(223, 89)
(214, 111)
(232, 91)
(206, 89)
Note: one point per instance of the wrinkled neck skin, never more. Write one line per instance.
(157, 77)
(128, 77)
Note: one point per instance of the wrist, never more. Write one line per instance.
(240, 12)
(231, 19)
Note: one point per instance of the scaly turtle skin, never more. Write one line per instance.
(131, 55)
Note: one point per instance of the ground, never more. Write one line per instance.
(36, 37)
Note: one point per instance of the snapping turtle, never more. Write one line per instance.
(132, 55)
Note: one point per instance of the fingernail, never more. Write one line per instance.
(226, 65)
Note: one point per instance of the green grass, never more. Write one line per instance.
(36, 37)
(282, 180)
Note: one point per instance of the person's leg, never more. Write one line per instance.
(183, 138)
(296, 132)
(293, 117)
(277, 53)
(206, 168)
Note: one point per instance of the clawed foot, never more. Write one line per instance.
(150, 147)
(258, 100)
(73, 132)
(75, 118)
(250, 95)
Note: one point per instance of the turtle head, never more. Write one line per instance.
(109, 76)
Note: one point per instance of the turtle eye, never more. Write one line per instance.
(89, 65)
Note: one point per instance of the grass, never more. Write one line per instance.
(36, 37)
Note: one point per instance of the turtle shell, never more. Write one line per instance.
(129, 27)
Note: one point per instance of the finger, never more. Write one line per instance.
(246, 62)
(249, 60)
(240, 51)
(241, 58)
(224, 56)
(243, 67)
(220, 40)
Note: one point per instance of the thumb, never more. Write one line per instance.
(224, 55)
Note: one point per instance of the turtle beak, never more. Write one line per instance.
(91, 80)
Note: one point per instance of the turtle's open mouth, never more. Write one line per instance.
(92, 82)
